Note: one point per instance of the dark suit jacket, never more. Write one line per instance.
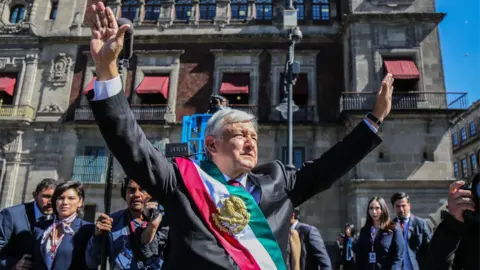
(419, 236)
(71, 251)
(16, 238)
(281, 190)
(388, 248)
(314, 254)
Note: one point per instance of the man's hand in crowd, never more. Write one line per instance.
(383, 103)
(24, 263)
(103, 224)
(107, 40)
(459, 200)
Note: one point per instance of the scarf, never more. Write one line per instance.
(51, 231)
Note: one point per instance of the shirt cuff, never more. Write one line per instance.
(106, 89)
(374, 129)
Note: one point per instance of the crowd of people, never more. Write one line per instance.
(225, 212)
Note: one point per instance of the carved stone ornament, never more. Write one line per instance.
(3, 63)
(19, 28)
(52, 108)
(59, 69)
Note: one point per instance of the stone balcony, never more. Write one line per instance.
(142, 113)
(22, 113)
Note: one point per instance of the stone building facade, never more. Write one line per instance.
(466, 143)
(186, 50)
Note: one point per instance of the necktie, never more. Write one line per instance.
(402, 224)
(235, 183)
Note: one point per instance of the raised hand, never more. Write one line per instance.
(383, 103)
(107, 40)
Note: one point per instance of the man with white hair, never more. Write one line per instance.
(225, 212)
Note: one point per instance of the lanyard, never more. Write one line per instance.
(373, 234)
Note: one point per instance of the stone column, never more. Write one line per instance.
(170, 115)
(222, 15)
(138, 13)
(251, 10)
(14, 156)
(31, 62)
(115, 6)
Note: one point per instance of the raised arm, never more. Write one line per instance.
(124, 137)
(318, 175)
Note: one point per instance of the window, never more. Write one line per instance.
(455, 138)
(91, 167)
(17, 14)
(405, 73)
(239, 9)
(455, 170)
(300, 89)
(463, 134)
(473, 128)
(264, 10)
(235, 88)
(300, 7)
(152, 10)
(7, 88)
(53, 10)
(464, 168)
(129, 9)
(320, 10)
(298, 156)
(183, 9)
(473, 163)
(207, 9)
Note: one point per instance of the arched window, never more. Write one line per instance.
(152, 10)
(207, 9)
(17, 14)
(183, 9)
(129, 9)
(239, 9)
(264, 10)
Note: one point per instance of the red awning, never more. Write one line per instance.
(154, 85)
(402, 69)
(7, 83)
(235, 83)
(89, 86)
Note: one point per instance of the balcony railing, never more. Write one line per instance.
(360, 101)
(17, 112)
(90, 169)
(303, 115)
(140, 112)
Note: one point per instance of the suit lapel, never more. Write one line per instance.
(67, 240)
(255, 178)
(30, 215)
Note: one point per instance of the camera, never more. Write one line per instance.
(151, 213)
(474, 187)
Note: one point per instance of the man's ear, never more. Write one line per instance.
(210, 144)
(34, 194)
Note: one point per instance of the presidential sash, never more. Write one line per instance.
(232, 215)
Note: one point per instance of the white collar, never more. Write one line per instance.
(38, 214)
(294, 225)
(242, 179)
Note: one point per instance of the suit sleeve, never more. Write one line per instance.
(319, 250)
(128, 143)
(426, 238)
(93, 252)
(397, 249)
(445, 242)
(318, 175)
(6, 226)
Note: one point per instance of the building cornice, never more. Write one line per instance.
(400, 17)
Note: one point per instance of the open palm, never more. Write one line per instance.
(107, 39)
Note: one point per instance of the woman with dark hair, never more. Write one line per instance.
(380, 244)
(60, 243)
(346, 245)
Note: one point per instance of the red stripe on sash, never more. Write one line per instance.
(206, 206)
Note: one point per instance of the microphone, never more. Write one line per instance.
(128, 39)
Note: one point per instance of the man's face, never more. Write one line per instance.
(402, 208)
(238, 146)
(135, 196)
(44, 201)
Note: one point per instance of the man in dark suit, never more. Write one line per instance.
(416, 233)
(314, 254)
(264, 196)
(16, 226)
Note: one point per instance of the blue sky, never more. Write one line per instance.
(460, 42)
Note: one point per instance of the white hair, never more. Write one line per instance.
(222, 118)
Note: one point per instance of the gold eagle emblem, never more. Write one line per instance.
(233, 216)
